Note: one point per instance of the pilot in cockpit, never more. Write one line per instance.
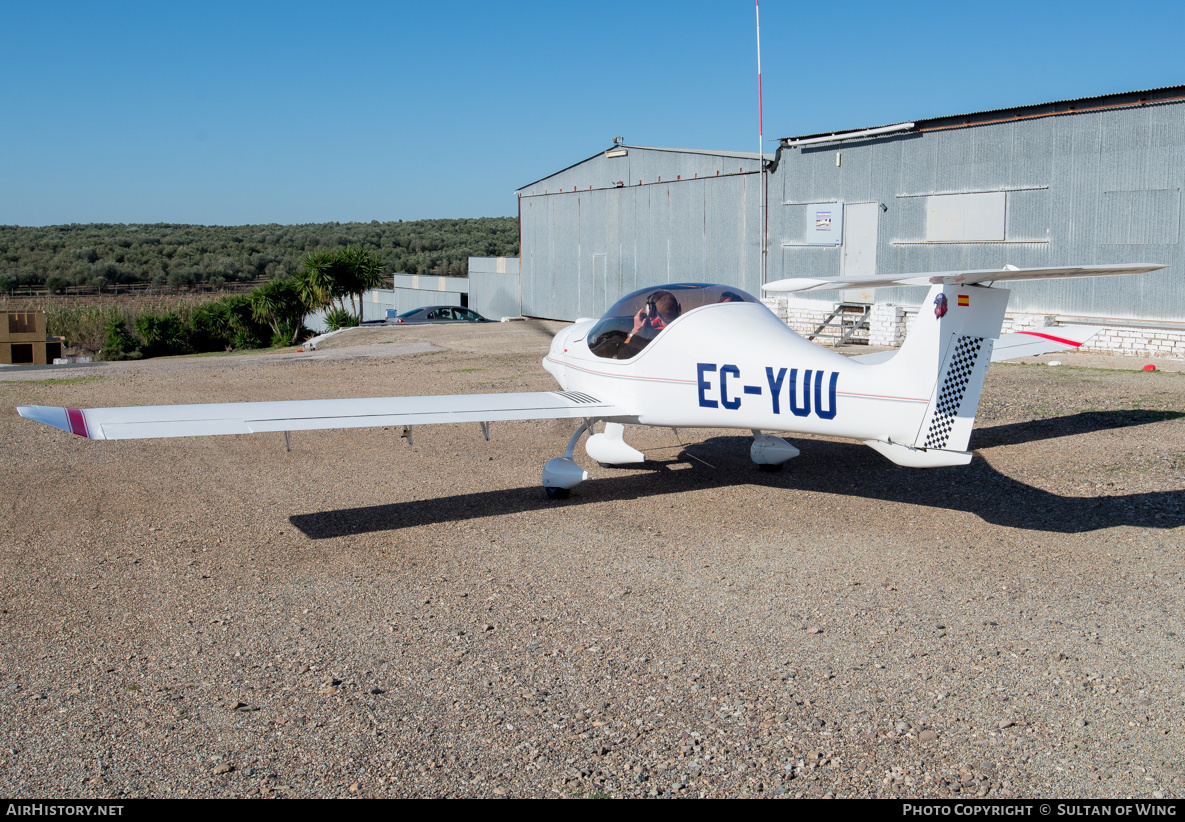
(660, 310)
(625, 330)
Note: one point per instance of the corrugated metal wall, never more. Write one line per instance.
(677, 217)
(1090, 187)
(495, 286)
(1087, 187)
(417, 282)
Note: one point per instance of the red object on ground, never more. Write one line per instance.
(1149, 367)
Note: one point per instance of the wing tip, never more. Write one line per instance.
(72, 420)
(1060, 340)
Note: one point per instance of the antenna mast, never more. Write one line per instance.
(760, 145)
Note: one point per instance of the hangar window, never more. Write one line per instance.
(633, 321)
(965, 218)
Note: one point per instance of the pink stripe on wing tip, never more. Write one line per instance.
(77, 422)
(1061, 340)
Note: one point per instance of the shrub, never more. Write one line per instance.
(247, 331)
(163, 334)
(120, 344)
(246, 338)
(337, 318)
(278, 305)
(211, 328)
(289, 333)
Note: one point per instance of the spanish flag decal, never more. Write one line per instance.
(964, 299)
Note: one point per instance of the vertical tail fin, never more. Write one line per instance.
(945, 357)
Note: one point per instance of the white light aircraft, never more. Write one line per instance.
(697, 356)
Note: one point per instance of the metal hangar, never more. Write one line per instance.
(1075, 182)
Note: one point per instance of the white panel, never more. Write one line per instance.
(965, 218)
(824, 223)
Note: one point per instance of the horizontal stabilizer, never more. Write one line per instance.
(140, 422)
(1042, 341)
(992, 275)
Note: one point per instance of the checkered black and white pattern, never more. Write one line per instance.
(958, 374)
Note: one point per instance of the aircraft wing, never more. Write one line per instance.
(991, 275)
(1042, 341)
(140, 422)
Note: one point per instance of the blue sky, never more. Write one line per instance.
(253, 112)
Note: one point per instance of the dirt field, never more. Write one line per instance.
(220, 617)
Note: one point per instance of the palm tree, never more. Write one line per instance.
(362, 271)
(315, 282)
(327, 278)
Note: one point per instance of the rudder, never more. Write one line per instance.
(951, 412)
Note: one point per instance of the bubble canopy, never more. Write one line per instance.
(633, 321)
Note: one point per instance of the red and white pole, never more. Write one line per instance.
(760, 124)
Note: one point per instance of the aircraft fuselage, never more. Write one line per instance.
(736, 365)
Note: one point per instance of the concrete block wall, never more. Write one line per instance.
(890, 324)
(802, 316)
(1151, 342)
(1014, 323)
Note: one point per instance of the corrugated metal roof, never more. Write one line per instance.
(1165, 94)
(744, 155)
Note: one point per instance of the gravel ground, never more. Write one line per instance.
(220, 617)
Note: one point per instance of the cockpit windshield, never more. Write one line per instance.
(633, 321)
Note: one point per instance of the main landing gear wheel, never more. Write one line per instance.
(769, 452)
(562, 474)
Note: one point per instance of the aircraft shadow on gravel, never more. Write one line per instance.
(824, 468)
(1085, 422)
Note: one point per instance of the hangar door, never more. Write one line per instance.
(859, 248)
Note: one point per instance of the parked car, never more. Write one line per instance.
(440, 314)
